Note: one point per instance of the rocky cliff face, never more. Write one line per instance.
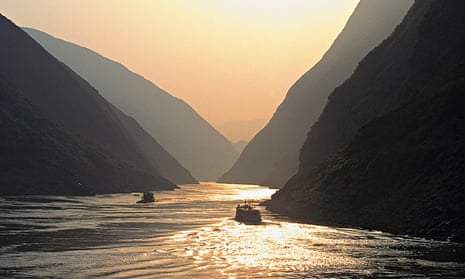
(64, 98)
(387, 152)
(271, 158)
(172, 122)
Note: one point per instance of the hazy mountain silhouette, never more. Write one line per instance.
(63, 97)
(271, 157)
(40, 157)
(172, 122)
(239, 146)
(388, 152)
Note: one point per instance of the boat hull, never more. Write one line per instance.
(248, 215)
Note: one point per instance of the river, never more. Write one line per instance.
(190, 233)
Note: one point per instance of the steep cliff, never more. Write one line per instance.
(271, 158)
(388, 151)
(64, 98)
(174, 124)
(40, 157)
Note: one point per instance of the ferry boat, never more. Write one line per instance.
(247, 214)
(147, 197)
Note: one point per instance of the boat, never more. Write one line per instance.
(147, 197)
(246, 213)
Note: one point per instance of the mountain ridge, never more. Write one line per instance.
(64, 98)
(387, 152)
(271, 157)
(40, 157)
(194, 142)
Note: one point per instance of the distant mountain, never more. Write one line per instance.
(242, 130)
(173, 123)
(66, 99)
(40, 157)
(239, 146)
(388, 152)
(271, 157)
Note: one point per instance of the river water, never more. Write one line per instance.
(190, 233)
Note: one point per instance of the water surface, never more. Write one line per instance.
(190, 232)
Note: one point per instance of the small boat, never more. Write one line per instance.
(247, 214)
(147, 197)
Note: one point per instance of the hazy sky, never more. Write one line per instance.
(232, 60)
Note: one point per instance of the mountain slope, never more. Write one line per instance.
(388, 151)
(39, 157)
(64, 98)
(271, 158)
(173, 123)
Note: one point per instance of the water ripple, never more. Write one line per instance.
(190, 233)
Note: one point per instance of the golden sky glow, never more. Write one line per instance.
(231, 60)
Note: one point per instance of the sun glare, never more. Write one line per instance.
(254, 193)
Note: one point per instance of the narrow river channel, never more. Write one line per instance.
(190, 233)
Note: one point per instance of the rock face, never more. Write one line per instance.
(271, 158)
(172, 122)
(388, 151)
(64, 98)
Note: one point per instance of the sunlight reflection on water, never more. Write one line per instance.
(265, 249)
(190, 232)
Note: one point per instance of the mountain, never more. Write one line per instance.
(271, 157)
(172, 122)
(64, 98)
(40, 157)
(388, 151)
(239, 146)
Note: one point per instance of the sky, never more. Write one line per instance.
(231, 60)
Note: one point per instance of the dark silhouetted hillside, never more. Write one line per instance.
(39, 157)
(388, 152)
(271, 157)
(64, 98)
(172, 122)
